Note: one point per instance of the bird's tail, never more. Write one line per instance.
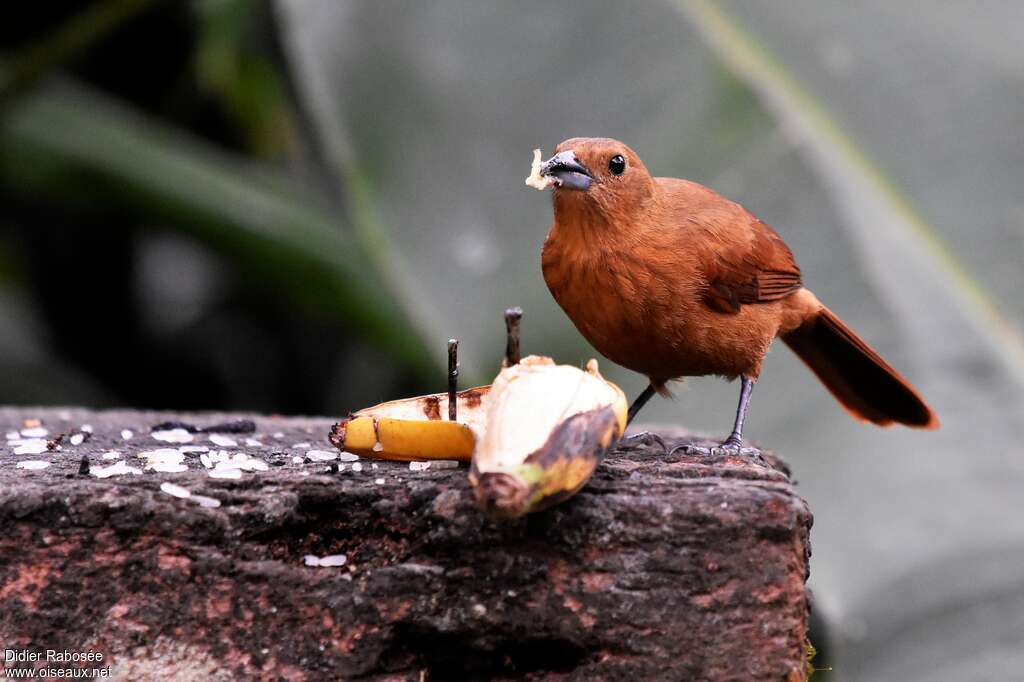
(865, 384)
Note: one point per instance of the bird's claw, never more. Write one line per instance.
(729, 448)
(690, 449)
(642, 439)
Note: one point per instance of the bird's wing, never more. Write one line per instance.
(755, 266)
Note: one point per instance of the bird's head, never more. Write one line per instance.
(598, 174)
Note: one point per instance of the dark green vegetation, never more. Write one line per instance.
(165, 223)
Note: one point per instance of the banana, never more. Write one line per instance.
(415, 428)
(533, 437)
(546, 428)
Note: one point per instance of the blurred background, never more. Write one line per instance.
(289, 206)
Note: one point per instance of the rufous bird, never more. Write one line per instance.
(670, 279)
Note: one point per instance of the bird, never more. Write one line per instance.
(670, 279)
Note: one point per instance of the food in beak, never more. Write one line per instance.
(535, 179)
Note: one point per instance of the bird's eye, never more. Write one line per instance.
(617, 164)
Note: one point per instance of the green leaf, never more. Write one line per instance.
(230, 66)
(68, 142)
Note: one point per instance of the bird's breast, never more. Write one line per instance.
(633, 308)
(643, 308)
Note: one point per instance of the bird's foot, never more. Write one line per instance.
(642, 439)
(730, 447)
(733, 442)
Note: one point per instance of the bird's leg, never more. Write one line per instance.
(735, 439)
(734, 442)
(639, 403)
(646, 437)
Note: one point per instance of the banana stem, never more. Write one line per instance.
(453, 378)
(512, 319)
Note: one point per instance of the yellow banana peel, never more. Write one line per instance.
(414, 428)
(534, 436)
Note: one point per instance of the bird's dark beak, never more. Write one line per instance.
(567, 171)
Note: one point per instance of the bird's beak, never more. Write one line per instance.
(567, 171)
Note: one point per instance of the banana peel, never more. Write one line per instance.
(547, 427)
(414, 428)
(533, 437)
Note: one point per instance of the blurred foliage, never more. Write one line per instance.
(245, 77)
(72, 157)
(35, 58)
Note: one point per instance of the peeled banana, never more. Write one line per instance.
(534, 436)
(546, 428)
